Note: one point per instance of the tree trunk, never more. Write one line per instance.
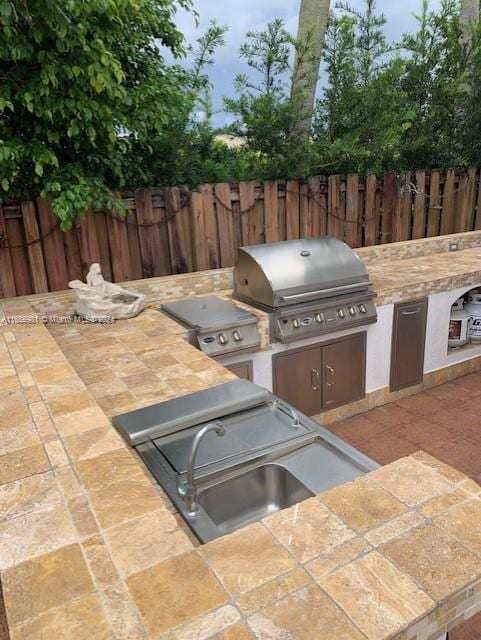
(313, 17)
(469, 15)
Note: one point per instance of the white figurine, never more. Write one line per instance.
(99, 300)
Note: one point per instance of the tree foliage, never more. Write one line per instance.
(89, 104)
(402, 106)
(73, 74)
(266, 111)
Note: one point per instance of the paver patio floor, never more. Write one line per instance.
(444, 421)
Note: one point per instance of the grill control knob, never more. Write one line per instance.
(362, 308)
(320, 318)
(237, 336)
(297, 323)
(352, 311)
(222, 339)
(341, 313)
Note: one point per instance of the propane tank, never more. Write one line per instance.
(460, 323)
(474, 309)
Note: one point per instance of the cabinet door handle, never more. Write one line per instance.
(315, 379)
(333, 375)
(410, 313)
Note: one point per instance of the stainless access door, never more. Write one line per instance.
(343, 371)
(298, 378)
(408, 343)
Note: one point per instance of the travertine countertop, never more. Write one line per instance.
(92, 549)
(416, 277)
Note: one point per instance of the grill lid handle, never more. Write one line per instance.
(325, 292)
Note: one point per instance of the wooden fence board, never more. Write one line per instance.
(7, 280)
(197, 215)
(465, 201)
(154, 248)
(225, 224)
(434, 210)
(271, 208)
(305, 212)
(419, 217)
(292, 210)
(19, 256)
(236, 219)
(211, 237)
(134, 244)
(352, 211)
(335, 214)
(103, 240)
(401, 229)
(390, 197)
(247, 205)
(371, 216)
(256, 227)
(407, 208)
(53, 247)
(317, 208)
(379, 217)
(88, 241)
(180, 238)
(72, 256)
(281, 208)
(34, 248)
(118, 244)
(449, 201)
(477, 219)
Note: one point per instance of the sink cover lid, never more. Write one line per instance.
(148, 423)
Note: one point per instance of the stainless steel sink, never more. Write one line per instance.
(251, 496)
(269, 458)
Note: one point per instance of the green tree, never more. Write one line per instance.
(265, 110)
(469, 132)
(181, 149)
(360, 117)
(434, 82)
(73, 74)
(469, 16)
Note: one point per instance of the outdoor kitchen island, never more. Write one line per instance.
(91, 548)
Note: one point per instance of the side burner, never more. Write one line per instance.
(216, 326)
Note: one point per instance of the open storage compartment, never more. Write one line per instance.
(464, 332)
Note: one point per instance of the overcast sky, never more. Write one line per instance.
(244, 15)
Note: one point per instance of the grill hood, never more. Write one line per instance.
(296, 271)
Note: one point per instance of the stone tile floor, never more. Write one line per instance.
(444, 421)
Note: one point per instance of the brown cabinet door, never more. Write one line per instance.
(298, 380)
(343, 371)
(408, 343)
(241, 369)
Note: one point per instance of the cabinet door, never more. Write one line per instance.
(343, 369)
(297, 379)
(408, 343)
(241, 369)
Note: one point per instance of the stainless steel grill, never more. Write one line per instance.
(311, 286)
(216, 326)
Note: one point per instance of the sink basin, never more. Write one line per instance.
(251, 496)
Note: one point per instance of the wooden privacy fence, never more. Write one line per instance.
(173, 230)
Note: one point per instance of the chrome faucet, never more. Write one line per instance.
(277, 404)
(294, 416)
(189, 490)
